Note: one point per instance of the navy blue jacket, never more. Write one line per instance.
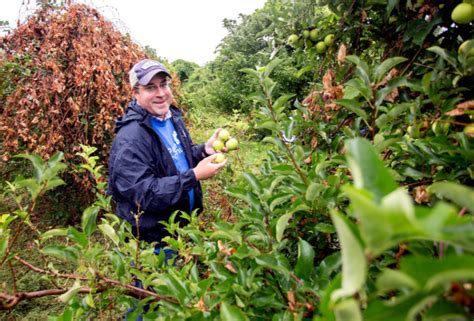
(142, 174)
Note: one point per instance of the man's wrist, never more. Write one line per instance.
(204, 151)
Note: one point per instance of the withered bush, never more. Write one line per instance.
(63, 82)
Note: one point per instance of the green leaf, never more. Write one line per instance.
(390, 280)
(89, 299)
(457, 193)
(66, 297)
(33, 187)
(353, 106)
(393, 114)
(305, 263)
(78, 237)
(89, 218)
(390, 6)
(347, 310)
(313, 191)
(54, 232)
(363, 89)
(38, 164)
(354, 264)
(419, 29)
(269, 68)
(231, 313)
(3, 245)
(303, 70)
(382, 69)
(282, 101)
(53, 183)
(392, 84)
(254, 183)
(55, 159)
(279, 200)
(251, 72)
(109, 231)
(433, 272)
(368, 171)
(443, 53)
(230, 235)
(378, 225)
(61, 252)
(325, 228)
(269, 124)
(176, 286)
(281, 226)
(270, 261)
(363, 70)
(117, 262)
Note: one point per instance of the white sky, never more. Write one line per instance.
(177, 29)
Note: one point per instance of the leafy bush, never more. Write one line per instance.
(361, 211)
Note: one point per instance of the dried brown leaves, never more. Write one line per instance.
(77, 85)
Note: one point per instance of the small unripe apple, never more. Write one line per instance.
(305, 34)
(218, 145)
(469, 130)
(219, 158)
(232, 144)
(292, 40)
(463, 46)
(320, 47)
(329, 40)
(224, 135)
(314, 34)
(463, 13)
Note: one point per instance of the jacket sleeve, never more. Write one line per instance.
(133, 179)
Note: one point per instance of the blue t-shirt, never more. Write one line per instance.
(165, 129)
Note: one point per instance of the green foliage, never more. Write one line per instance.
(362, 209)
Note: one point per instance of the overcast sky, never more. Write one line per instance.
(177, 29)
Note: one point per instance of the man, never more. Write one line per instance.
(154, 167)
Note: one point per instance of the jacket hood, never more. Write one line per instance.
(135, 112)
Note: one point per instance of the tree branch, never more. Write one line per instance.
(8, 301)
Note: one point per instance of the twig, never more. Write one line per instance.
(15, 290)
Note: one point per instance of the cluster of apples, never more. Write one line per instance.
(224, 140)
(311, 37)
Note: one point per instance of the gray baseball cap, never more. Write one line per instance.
(143, 71)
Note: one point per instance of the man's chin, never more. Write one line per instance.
(160, 112)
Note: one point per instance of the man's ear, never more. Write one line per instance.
(134, 91)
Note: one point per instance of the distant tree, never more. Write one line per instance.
(184, 68)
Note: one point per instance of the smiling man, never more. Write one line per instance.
(154, 167)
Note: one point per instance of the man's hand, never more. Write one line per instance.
(207, 169)
(208, 146)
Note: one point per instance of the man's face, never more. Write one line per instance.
(156, 97)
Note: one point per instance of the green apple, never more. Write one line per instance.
(314, 34)
(232, 144)
(321, 47)
(469, 130)
(329, 40)
(462, 47)
(224, 135)
(305, 34)
(219, 158)
(292, 40)
(463, 13)
(218, 145)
